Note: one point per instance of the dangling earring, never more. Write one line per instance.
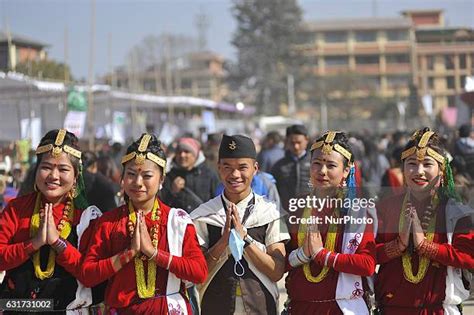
(74, 192)
(35, 188)
(310, 184)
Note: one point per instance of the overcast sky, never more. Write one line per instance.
(129, 21)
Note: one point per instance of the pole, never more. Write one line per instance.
(291, 94)
(90, 114)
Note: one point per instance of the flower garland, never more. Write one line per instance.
(428, 224)
(64, 229)
(330, 245)
(146, 288)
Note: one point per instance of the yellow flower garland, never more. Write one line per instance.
(64, 233)
(330, 245)
(146, 289)
(406, 257)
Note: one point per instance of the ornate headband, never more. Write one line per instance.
(421, 149)
(140, 154)
(58, 147)
(327, 145)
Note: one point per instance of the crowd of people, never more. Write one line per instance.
(203, 228)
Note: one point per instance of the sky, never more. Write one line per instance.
(127, 22)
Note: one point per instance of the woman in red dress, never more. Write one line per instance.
(39, 232)
(327, 262)
(424, 236)
(145, 249)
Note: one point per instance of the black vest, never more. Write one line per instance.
(219, 298)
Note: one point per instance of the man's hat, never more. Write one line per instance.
(238, 146)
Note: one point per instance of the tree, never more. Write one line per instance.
(43, 69)
(266, 31)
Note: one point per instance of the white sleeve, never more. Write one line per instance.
(277, 231)
(202, 233)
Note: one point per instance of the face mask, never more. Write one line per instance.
(236, 245)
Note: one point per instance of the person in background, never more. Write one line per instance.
(271, 152)
(190, 182)
(292, 171)
(100, 190)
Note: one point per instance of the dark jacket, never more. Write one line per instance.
(200, 184)
(292, 177)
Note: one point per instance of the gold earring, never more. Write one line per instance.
(35, 188)
(74, 192)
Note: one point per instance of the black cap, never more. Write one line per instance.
(235, 147)
(296, 130)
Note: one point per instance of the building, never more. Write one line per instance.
(396, 59)
(445, 56)
(15, 49)
(198, 74)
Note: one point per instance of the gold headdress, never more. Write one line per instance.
(421, 149)
(58, 147)
(327, 145)
(140, 154)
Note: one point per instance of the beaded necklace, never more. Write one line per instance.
(146, 288)
(428, 224)
(64, 229)
(330, 245)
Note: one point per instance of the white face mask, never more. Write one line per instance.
(236, 245)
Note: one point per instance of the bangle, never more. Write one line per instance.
(334, 262)
(210, 255)
(125, 257)
(327, 258)
(392, 249)
(399, 239)
(316, 253)
(60, 245)
(154, 254)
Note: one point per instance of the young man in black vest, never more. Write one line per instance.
(240, 218)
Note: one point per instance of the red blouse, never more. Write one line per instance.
(394, 293)
(319, 298)
(111, 237)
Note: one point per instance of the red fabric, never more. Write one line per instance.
(111, 237)
(303, 293)
(393, 179)
(15, 240)
(397, 295)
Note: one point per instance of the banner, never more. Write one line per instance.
(75, 122)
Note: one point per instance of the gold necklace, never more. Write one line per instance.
(330, 245)
(64, 229)
(424, 262)
(146, 289)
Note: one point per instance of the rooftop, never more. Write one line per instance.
(358, 24)
(20, 39)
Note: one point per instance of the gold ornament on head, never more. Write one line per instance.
(58, 147)
(233, 145)
(421, 149)
(140, 155)
(327, 145)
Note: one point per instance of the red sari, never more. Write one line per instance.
(394, 294)
(111, 237)
(319, 298)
